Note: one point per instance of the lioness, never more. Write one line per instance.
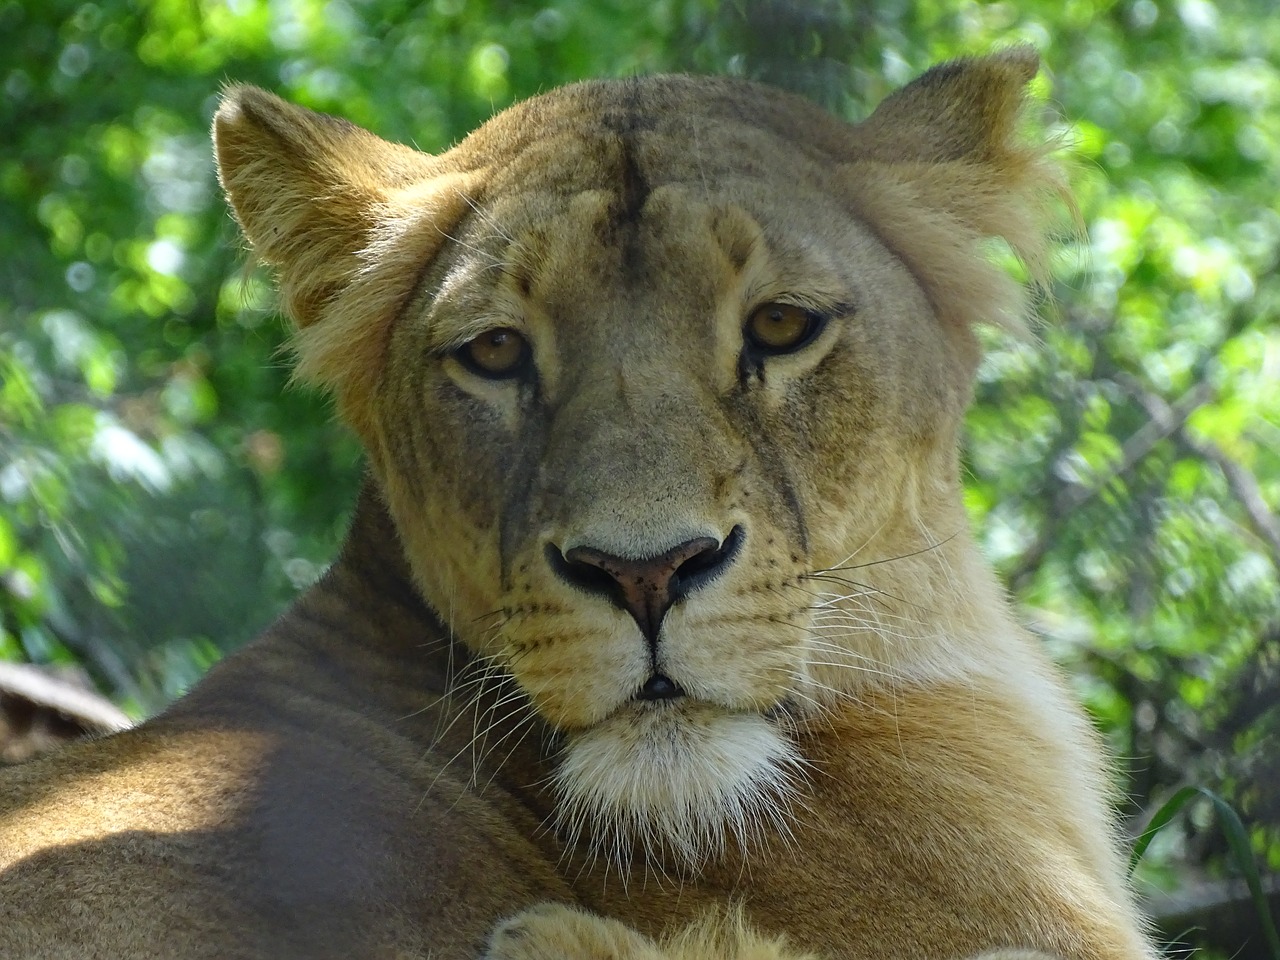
(659, 630)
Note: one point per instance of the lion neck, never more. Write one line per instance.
(388, 626)
(399, 654)
(362, 639)
(371, 549)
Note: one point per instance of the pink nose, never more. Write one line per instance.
(647, 588)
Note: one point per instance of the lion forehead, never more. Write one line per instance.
(628, 136)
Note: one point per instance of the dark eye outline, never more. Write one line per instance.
(517, 371)
(757, 350)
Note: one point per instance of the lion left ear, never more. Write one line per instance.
(347, 220)
(965, 110)
(941, 167)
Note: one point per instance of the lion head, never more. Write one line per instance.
(643, 368)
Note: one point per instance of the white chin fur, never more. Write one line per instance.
(675, 783)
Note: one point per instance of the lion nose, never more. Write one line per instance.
(647, 588)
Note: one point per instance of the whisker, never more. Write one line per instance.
(902, 556)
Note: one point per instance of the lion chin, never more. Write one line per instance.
(671, 784)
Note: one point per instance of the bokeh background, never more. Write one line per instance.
(164, 491)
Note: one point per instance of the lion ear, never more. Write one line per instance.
(347, 220)
(942, 166)
(957, 111)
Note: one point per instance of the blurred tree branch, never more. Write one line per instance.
(1243, 485)
(1071, 496)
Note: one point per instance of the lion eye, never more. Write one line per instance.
(497, 354)
(774, 328)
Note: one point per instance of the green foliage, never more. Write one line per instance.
(163, 490)
(1237, 837)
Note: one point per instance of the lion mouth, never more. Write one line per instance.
(659, 687)
(681, 705)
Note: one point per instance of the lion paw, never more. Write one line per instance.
(554, 931)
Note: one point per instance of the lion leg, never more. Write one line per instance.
(554, 931)
(727, 936)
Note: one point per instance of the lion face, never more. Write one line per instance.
(619, 411)
(646, 369)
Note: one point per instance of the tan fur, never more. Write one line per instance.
(439, 749)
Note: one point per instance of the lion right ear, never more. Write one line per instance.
(347, 220)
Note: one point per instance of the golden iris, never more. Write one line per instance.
(497, 353)
(779, 327)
